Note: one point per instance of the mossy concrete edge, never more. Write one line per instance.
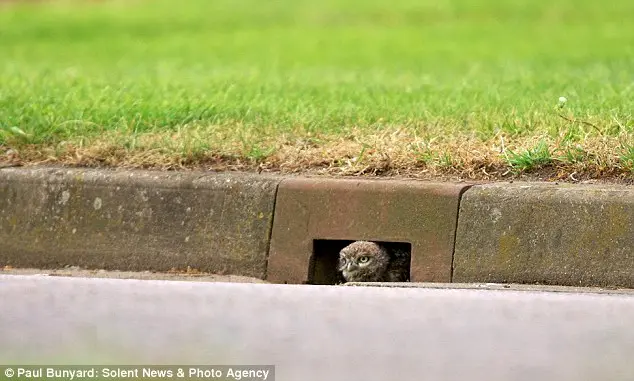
(136, 220)
(222, 223)
(546, 233)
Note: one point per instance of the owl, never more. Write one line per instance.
(364, 261)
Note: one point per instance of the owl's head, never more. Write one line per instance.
(363, 261)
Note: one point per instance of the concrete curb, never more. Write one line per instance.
(571, 235)
(136, 221)
(241, 224)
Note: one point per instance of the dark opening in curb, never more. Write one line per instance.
(325, 257)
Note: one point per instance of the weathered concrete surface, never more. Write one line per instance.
(320, 332)
(421, 213)
(577, 235)
(147, 275)
(496, 287)
(136, 220)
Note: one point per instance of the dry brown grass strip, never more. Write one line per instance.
(389, 153)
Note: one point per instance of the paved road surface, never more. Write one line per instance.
(320, 332)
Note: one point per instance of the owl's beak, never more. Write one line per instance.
(351, 266)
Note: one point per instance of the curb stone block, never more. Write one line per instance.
(569, 235)
(420, 213)
(136, 220)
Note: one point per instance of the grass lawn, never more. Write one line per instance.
(465, 88)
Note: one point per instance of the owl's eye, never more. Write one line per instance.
(364, 259)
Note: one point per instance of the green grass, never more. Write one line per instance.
(252, 81)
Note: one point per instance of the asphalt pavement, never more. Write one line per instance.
(320, 332)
